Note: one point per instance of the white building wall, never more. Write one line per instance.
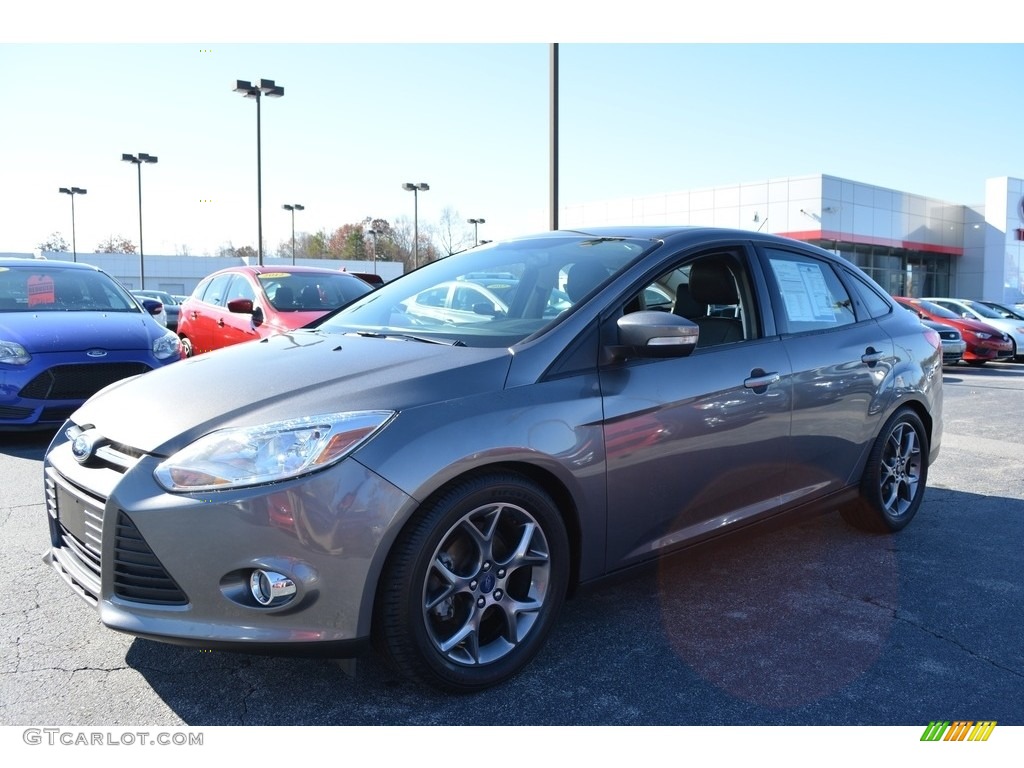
(822, 206)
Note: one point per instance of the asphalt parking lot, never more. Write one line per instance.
(810, 624)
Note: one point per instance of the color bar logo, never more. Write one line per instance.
(961, 730)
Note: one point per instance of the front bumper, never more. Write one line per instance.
(176, 567)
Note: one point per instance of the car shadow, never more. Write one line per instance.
(26, 445)
(811, 623)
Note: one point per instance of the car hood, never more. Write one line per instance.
(42, 332)
(301, 373)
(967, 323)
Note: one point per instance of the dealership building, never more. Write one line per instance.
(910, 244)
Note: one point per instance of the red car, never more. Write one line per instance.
(984, 342)
(249, 302)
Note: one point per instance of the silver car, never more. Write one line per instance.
(439, 489)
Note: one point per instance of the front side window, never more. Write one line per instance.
(712, 290)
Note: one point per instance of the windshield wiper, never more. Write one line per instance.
(409, 337)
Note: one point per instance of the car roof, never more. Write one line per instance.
(36, 263)
(256, 269)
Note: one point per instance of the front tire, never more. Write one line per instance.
(474, 583)
(894, 480)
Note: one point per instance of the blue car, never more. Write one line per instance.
(67, 330)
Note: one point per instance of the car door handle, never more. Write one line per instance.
(220, 322)
(871, 356)
(760, 379)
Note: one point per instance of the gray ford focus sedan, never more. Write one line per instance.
(389, 477)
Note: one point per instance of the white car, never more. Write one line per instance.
(976, 310)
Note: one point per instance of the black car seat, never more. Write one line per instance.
(309, 297)
(712, 282)
(583, 277)
(284, 298)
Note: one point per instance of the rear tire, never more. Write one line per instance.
(474, 583)
(186, 345)
(895, 476)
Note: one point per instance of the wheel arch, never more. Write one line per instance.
(544, 478)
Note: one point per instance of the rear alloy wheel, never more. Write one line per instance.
(474, 584)
(186, 345)
(895, 476)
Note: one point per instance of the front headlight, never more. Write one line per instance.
(13, 353)
(168, 345)
(267, 453)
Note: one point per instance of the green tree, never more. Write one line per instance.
(347, 243)
(314, 246)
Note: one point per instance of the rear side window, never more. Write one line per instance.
(868, 298)
(812, 296)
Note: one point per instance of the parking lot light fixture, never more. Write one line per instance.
(250, 91)
(415, 189)
(293, 208)
(138, 160)
(373, 253)
(476, 223)
(72, 191)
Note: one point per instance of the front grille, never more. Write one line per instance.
(138, 573)
(949, 335)
(78, 382)
(77, 518)
(15, 413)
(78, 533)
(58, 414)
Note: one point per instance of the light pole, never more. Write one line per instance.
(415, 189)
(138, 160)
(373, 254)
(250, 91)
(73, 191)
(475, 223)
(293, 208)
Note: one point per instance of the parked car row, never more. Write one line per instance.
(984, 342)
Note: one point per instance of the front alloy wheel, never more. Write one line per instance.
(895, 476)
(474, 585)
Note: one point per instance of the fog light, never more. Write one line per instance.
(270, 588)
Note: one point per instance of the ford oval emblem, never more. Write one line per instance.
(97, 353)
(83, 446)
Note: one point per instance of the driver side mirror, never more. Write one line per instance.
(650, 334)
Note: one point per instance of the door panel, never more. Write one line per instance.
(694, 445)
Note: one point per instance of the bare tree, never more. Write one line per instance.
(54, 242)
(116, 244)
(452, 233)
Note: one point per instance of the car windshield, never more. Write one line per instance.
(53, 289)
(935, 309)
(164, 298)
(494, 295)
(1007, 312)
(984, 311)
(311, 291)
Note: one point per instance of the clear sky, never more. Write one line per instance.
(457, 95)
